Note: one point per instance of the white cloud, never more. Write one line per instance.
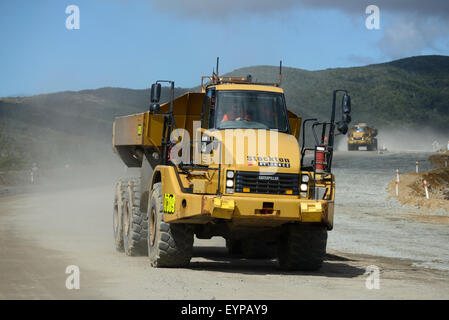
(411, 35)
(216, 10)
(417, 25)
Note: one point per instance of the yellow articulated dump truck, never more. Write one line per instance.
(362, 135)
(225, 162)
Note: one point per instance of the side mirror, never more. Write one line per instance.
(346, 104)
(155, 92)
(342, 127)
(345, 115)
(154, 107)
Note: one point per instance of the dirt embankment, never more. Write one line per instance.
(440, 160)
(411, 185)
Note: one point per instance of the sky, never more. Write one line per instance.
(132, 43)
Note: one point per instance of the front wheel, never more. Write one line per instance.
(234, 247)
(302, 247)
(169, 245)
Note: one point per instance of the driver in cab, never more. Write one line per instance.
(236, 113)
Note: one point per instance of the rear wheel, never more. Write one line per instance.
(169, 245)
(135, 222)
(302, 247)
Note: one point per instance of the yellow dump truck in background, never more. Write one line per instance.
(362, 135)
(192, 183)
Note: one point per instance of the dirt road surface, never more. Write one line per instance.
(68, 221)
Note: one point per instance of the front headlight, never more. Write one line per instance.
(305, 178)
(230, 174)
(229, 183)
(304, 187)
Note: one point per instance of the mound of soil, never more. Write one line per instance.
(411, 186)
(440, 160)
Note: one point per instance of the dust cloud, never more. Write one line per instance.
(405, 139)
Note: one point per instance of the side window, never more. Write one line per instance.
(205, 111)
(208, 114)
(211, 94)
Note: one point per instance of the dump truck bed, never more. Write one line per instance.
(141, 131)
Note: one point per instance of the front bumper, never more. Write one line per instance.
(250, 210)
(360, 142)
(180, 206)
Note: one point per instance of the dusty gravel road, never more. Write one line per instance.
(45, 229)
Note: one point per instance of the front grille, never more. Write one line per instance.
(277, 183)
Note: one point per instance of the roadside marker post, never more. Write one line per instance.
(397, 182)
(427, 191)
(417, 167)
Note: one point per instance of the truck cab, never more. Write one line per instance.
(362, 135)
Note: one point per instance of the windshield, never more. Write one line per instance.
(250, 110)
(359, 129)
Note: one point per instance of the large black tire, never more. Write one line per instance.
(234, 247)
(375, 145)
(135, 222)
(169, 245)
(117, 217)
(258, 249)
(302, 247)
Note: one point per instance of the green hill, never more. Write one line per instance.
(77, 126)
(411, 92)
